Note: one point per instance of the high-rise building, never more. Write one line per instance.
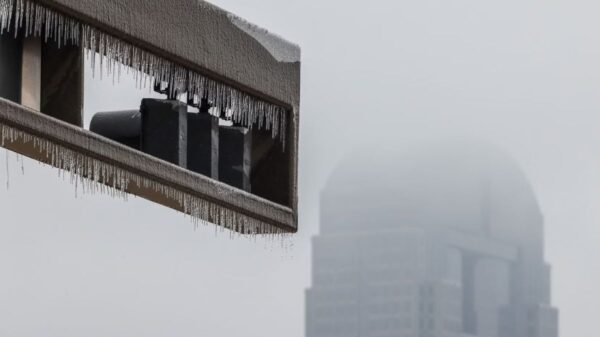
(441, 241)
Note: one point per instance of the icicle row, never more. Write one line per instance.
(113, 52)
(96, 176)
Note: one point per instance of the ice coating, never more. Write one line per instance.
(116, 55)
(111, 172)
(281, 50)
(96, 176)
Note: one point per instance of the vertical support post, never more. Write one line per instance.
(31, 73)
(10, 67)
(62, 82)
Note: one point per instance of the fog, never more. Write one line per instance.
(522, 75)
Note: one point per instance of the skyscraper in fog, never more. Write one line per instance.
(441, 241)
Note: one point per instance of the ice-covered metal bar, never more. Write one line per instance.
(247, 73)
(202, 37)
(102, 165)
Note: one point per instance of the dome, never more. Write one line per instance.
(466, 185)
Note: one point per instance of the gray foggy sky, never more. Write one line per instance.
(524, 75)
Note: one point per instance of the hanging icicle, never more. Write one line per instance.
(36, 20)
(98, 177)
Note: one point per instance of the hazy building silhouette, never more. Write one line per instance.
(439, 241)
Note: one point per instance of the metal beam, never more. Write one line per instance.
(102, 149)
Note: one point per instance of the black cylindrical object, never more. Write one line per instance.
(124, 127)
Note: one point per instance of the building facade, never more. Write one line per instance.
(446, 241)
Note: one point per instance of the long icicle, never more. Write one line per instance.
(96, 176)
(40, 21)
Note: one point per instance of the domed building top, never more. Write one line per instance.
(468, 186)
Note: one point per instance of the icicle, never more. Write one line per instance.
(7, 171)
(41, 21)
(96, 176)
